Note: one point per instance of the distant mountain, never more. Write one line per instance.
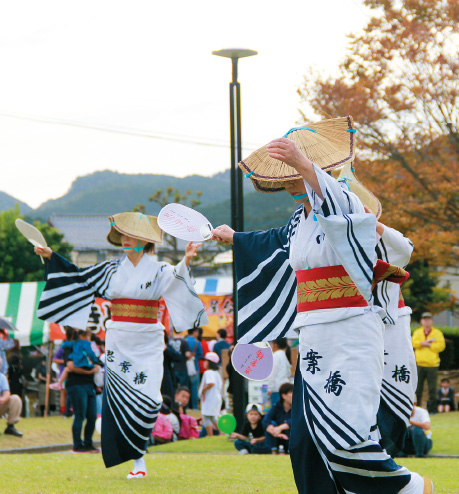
(8, 202)
(108, 192)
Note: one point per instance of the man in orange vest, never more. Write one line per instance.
(428, 342)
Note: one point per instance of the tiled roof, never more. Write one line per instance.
(89, 231)
(83, 231)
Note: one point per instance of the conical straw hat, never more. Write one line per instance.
(136, 225)
(329, 144)
(346, 174)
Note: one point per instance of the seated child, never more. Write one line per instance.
(252, 437)
(173, 416)
(82, 355)
(163, 431)
(445, 396)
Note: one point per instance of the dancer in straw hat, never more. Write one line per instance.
(400, 374)
(315, 276)
(135, 338)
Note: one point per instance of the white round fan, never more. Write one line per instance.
(183, 222)
(32, 234)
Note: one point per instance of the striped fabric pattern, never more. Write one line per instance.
(18, 303)
(70, 291)
(358, 464)
(396, 249)
(134, 414)
(266, 282)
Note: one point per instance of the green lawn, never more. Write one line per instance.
(65, 473)
(57, 430)
(190, 473)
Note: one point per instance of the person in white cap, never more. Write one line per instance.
(134, 345)
(210, 392)
(252, 436)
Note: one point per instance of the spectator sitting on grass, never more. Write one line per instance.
(445, 397)
(252, 437)
(418, 436)
(278, 420)
(163, 431)
(173, 417)
(182, 398)
(82, 356)
(10, 405)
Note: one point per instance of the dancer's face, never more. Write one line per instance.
(130, 241)
(295, 188)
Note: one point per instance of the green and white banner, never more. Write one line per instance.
(18, 303)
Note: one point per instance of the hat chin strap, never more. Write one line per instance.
(302, 196)
(139, 247)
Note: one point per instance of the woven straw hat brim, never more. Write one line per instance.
(135, 225)
(368, 198)
(329, 144)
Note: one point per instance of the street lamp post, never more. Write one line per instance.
(237, 197)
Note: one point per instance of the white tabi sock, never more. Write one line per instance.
(139, 471)
(415, 486)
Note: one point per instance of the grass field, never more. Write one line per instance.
(39, 431)
(190, 473)
(175, 473)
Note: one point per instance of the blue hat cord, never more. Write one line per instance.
(345, 179)
(302, 196)
(294, 129)
(139, 247)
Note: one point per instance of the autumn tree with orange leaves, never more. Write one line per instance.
(399, 80)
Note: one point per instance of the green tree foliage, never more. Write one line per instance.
(399, 80)
(18, 261)
(421, 292)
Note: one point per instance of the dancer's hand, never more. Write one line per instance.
(379, 226)
(43, 252)
(191, 250)
(223, 233)
(287, 151)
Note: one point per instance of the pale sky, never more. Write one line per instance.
(146, 67)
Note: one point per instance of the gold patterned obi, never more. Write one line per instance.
(134, 310)
(331, 287)
(328, 287)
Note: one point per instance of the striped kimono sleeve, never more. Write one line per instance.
(350, 231)
(396, 249)
(266, 283)
(184, 305)
(70, 291)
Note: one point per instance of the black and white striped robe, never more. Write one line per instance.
(338, 380)
(134, 351)
(400, 374)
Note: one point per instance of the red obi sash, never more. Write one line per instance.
(329, 287)
(134, 310)
(401, 300)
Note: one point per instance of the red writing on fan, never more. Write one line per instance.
(254, 362)
(180, 222)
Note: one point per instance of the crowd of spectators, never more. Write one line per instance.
(193, 380)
